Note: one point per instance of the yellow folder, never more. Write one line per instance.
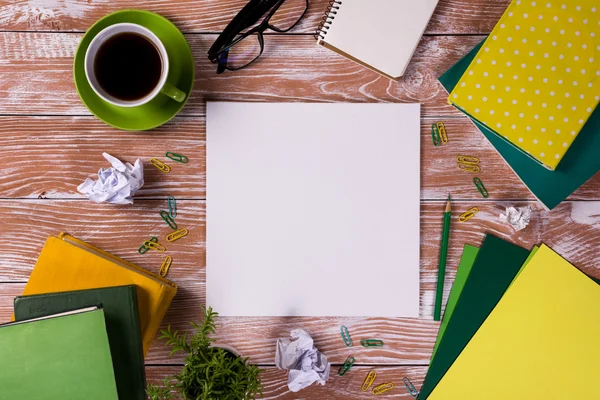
(67, 263)
(540, 342)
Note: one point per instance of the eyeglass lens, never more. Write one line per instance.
(248, 49)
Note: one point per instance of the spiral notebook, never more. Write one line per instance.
(379, 34)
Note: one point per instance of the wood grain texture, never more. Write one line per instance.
(346, 387)
(118, 229)
(50, 156)
(451, 16)
(34, 143)
(51, 143)
(572, 230)
(121, 230)
(36, 72)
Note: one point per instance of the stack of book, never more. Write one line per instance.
(82, 327)
(518, 324)
(532, 88)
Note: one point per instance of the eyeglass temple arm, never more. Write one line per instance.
(247, 16)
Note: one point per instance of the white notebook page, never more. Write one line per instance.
(381, 33)
(313, 209)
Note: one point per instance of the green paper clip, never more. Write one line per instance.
(480, 187)
(172, 206)
(435, 135)
(143, 248)
(177, 157)
(371, 343)
(167, 217)
(346, 367)
(346, 336)
(410, 387)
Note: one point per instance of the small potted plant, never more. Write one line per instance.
(211, 371)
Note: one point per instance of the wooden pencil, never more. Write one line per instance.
(442, 265)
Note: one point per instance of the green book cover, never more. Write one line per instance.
(579, 164)
(495, 267)
(57, 357)
(464, 269)
(122, 326)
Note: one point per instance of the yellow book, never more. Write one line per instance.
(67, 263)
(536, 79)
(539, 342)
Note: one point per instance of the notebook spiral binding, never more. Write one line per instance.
(332, 10)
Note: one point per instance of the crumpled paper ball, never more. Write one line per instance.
(518, 218)
(305, 363)
(115, 185)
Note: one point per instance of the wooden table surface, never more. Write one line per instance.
(50, 143)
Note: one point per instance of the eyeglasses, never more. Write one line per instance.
(235, 49)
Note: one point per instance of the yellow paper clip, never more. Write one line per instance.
(155, 246)
(442, 132)
(467, 160)
(160, 165)
(369, 380)
(173, 236)
(384, 387)
(143, 249)
(468, 163)
(467, 215)
(166, 264)
(474, 168)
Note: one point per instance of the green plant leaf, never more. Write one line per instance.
(209, 373)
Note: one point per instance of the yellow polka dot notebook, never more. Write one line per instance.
(536, 80)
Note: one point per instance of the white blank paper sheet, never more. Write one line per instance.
(313, 209)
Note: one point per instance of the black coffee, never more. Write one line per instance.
(128, 66)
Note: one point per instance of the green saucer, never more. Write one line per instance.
(160, 109)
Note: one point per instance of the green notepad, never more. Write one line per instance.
(579, 164)
(464, 269)
(57, 357)
(495, 267)
(122, 326)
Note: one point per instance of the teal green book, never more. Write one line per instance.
(578, 165)
(62, 356)
(122, 326)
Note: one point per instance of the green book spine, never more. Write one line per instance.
(61, 357)
(122, 326)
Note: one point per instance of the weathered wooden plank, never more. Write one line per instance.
(573, 229)
(121, 229)
(337, 387)
(118, 229)
(451, 16)
(36, 76)
(50, 156)
(32, 144)
(407, 340)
